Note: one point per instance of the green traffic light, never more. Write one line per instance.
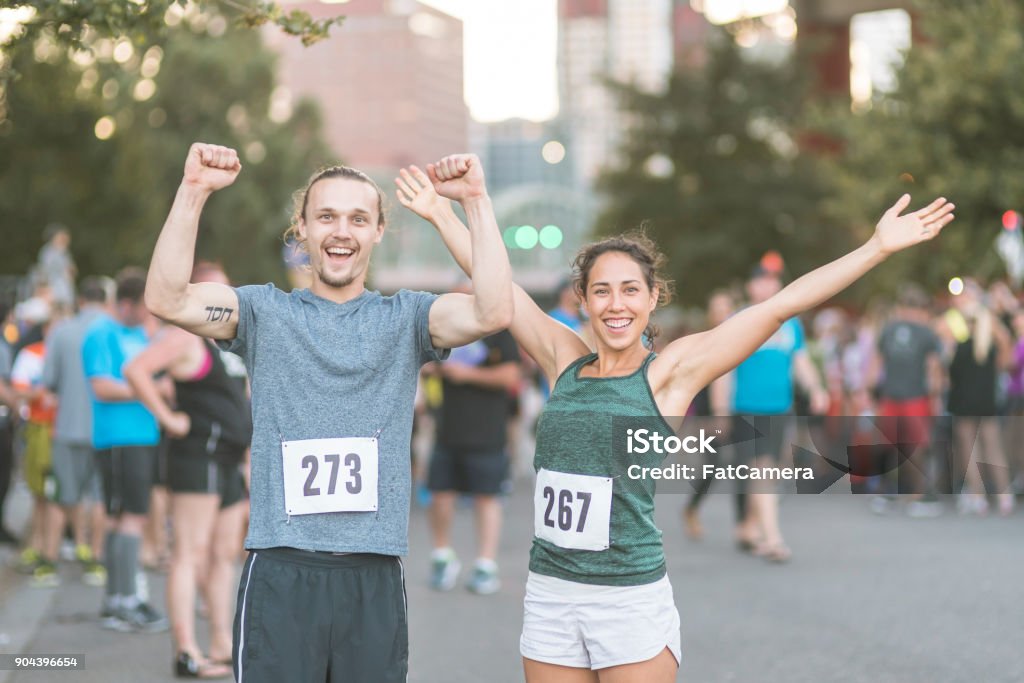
(550, 237)
(526, 237)
(508, 236)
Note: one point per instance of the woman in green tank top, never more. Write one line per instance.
(597, 556)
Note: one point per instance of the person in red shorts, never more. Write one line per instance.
(911, 379)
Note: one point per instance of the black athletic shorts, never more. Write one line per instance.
(127, 473)
(467, 471)
(310, 617)
(200, 474)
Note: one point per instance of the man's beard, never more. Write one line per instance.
(339, 282)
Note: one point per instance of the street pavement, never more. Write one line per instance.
(866, 598)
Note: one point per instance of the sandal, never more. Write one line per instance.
(187, 666)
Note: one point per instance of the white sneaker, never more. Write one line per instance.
(444, 569)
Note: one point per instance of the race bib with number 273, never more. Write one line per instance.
(572, 510)
(330, 475)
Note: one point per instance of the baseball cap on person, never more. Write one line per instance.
(761, 271)
(770, 265)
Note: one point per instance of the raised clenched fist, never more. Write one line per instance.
(211, 167)
(459, 177)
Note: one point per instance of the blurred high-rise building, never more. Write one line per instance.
(517, 152)
(626, 40)
(389, 81)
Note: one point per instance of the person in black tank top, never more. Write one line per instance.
(973, 383)
(208, 430)
(597, 596)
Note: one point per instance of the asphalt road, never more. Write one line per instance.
(866, 598)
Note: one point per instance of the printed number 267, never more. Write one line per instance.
(312, 463)
(565, 508)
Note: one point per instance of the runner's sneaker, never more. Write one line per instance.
(45, 575)
(27, 561)
(484, 579)
(880, 505)
(94, 574)
(83, 553)
(444, 569)
(141, 618)
(109, 612)
(924, 509)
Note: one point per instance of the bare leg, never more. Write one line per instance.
(965, 432)
(765, 504)
(97, 526)
(542, 672)
(660, 669)
(442, 511)
(154, 540)
(995, 457)
(488, 526)
(227, 538)
(194, 515)
(54, 531)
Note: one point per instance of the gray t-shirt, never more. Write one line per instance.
(64, 374)
(904, 347)
(323, 370)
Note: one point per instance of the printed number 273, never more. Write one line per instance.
(312, 463)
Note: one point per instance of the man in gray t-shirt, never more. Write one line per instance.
(72, 457)
(333, 370)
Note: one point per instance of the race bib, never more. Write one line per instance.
(572, 510)
(330, 475)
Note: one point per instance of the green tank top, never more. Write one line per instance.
(582, 431)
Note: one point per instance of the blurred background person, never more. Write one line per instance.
(209, 430)
(125, 436)
(908, 379)
(39, 410)
(764, 393)
(713, 400)
(470, 454)
(56, 268)
(973, 379)
(78, 494)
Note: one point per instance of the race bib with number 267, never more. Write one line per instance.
(330, 475)
(572, 510)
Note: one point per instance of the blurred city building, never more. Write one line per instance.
(626, 40)
(391, 87)
(390, 81)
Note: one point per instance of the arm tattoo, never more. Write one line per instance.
(218, 314)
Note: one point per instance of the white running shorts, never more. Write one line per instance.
(594, 627)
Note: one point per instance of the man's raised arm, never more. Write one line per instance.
(207, 309)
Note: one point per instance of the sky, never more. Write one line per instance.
(510, 56)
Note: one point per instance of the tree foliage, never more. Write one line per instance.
(711, 167)
(76, 23)
(114, 193)
(954, 127)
